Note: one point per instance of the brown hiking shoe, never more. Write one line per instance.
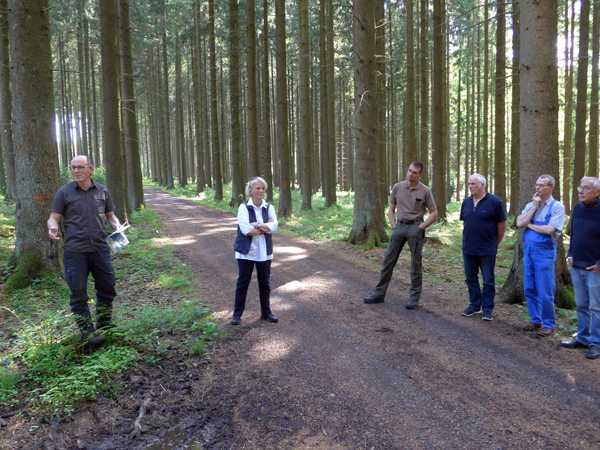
(543, 332)
(532, 327)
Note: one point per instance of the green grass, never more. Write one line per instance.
(8, 384)
(318, 223)
(43, 366)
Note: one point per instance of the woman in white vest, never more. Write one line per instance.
(254, 247)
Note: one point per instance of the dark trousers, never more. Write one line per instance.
(401, 234)
(77, 268)
(263, 273)
(473, 264)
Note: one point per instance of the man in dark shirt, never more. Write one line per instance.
(85, 208)
(484, 220)
(584, 260)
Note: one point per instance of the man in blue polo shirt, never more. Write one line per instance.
(484, 218)
(584, 260)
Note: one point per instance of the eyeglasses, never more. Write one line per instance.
(542, 185)
(78, 167)
(584, 188)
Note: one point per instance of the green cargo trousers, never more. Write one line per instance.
(401, 234)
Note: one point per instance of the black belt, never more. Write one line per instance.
(409, 222)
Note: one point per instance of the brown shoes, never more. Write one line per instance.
(532, 327)
(544, 332)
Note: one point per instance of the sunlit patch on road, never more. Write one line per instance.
(273, 349)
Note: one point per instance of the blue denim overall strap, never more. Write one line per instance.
(539, 281)
(242, 242)
(533, 237)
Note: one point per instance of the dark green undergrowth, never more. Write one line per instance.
(319, 223)
(41, 362)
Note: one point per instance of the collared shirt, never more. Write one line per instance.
(557, 219)
(258, 247)
(585, 235)
(480, 233)
(411, 202)
(84, 216)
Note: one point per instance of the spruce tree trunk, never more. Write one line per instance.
(6, 134)
(179, 124)
(323, 103)
(538, 120)
(410, 138)
(438, 96)
(265, 158)
(251, 69)
(304, 105)
(111, 132)
(88, 102)
(133, 168)
(160, 116)
(458, 136)
(204, 80)
(164, 63)
(424, 121)
(199, 98)
(394, 163)
(593, 154)
(83, 120)
(214, 112)
(485, 165)
(237, 170)
(515, 122)
(36, 162)
(367, 222)
(95, 122)
(499, 128)
(64, 113)
(582, 97)
(285, 194)
(331, 198)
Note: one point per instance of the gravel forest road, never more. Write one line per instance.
(335, 373)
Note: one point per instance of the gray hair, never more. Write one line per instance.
(87, 160)
(255, 180)
(548, 178)
(594, 181)
(479, 178)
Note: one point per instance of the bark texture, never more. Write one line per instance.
(367, 223)
(36, 160)
(111, 132)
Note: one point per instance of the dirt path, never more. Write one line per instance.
(335, 373)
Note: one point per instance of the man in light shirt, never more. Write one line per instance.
(542, 218)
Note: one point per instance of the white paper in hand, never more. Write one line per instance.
(117, 239)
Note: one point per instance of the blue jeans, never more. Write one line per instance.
(587, 299)
(473, 264)
(539, 283)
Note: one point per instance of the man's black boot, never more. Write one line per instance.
(90, 341)
(104, 318)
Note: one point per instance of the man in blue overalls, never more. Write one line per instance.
(542, 218)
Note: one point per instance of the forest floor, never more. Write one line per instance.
(335, 373)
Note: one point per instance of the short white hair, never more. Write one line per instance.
(87, 160)
(593, 180)
(255, 180)
(479, 178)
(549, 179)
